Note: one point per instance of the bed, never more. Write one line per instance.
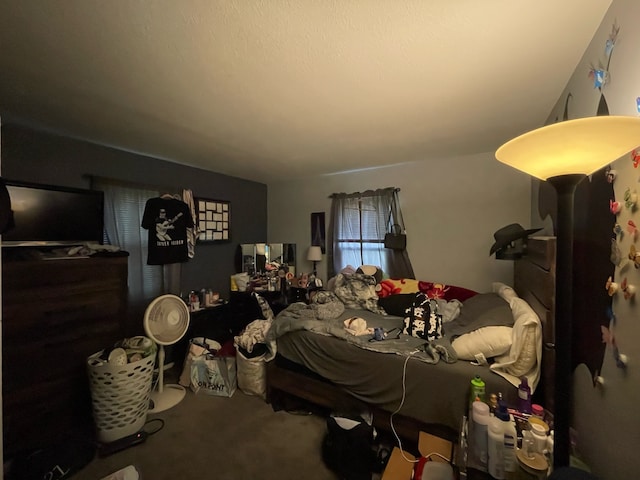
(417, 380)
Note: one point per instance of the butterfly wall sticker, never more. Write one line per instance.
(635, 157)
(634, 256)
(608, 337)
(611, 287)
(615, 206)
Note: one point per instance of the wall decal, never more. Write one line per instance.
(630, 198)
(615, 206)
(616, 254)
(627, 289)
(634, 256)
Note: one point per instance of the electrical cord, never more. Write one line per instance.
(404, 393)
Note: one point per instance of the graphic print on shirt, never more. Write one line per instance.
(164, 224)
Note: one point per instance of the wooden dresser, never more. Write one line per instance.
(55, 314)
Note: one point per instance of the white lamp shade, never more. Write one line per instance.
(578, 146)
(314, 254)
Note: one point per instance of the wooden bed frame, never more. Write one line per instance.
(534, 280)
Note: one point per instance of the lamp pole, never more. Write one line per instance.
(565, 186)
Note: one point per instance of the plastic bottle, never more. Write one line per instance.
(502, 441)
(524, 396)
(477, 389)
(537, 411)
(480, 417)
(510, 445)
(550, 441)
(493, 403)
(495, 444)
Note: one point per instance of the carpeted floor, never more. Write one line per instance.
(224, 438)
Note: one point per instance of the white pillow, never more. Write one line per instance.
(488, 341)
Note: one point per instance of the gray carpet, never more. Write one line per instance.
(221, 438)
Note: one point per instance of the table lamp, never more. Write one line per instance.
(314, 255)
(563, 154)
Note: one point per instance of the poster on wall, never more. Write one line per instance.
(318, 231)
(214, 220)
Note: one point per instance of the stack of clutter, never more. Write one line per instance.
(127, 350)
(507, 442)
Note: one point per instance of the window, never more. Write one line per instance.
(359, 224)
(123, 208)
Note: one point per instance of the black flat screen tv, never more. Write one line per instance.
(49, 216)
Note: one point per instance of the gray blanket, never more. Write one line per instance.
(299, 316)
(327, 314)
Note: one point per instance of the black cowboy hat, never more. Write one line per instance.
(508, 234)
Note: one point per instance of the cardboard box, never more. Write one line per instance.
(400, 468)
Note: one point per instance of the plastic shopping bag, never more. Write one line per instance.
(214, 374)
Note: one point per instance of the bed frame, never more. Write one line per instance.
(534, 281)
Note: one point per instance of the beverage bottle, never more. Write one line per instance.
(524, 396)
(477, 389)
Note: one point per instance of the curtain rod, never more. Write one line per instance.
(366, 193)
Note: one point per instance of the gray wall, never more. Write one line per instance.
(35, 156)
(608, 429)
(451, 208)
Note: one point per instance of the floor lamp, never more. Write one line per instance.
(563, 154)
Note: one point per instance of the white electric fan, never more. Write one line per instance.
(166, 321)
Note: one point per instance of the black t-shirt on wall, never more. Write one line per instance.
(167, 220)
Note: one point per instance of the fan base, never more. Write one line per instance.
(170, 396)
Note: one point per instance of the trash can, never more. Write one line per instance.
(120, 395)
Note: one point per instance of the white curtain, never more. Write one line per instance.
(123, 208)
(359, 222)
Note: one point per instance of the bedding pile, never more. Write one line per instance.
(496, 328)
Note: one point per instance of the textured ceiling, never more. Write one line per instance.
(269, 89)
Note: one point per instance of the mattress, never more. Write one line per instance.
(431, 393)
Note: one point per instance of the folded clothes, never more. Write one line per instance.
(357, 326)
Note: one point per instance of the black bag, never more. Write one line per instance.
(394, 239)
(349, 452)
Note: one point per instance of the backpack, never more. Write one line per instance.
(422, 319)
(348, 447)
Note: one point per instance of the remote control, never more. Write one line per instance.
(122, 444)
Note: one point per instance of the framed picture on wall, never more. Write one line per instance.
(318, 231)
(213, 220)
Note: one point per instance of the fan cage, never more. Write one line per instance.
(167, 319)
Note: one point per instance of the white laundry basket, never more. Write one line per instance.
(120, 396)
